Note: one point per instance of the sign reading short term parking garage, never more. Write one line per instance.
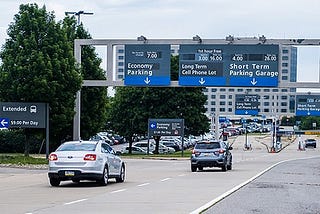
(22, 115)
(147, 65)
(228, 65)
(247, 104)
(307, 105)
(165, 127)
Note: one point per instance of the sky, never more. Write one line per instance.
(183, 19)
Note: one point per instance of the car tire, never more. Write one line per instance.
(105, 177)
(54, 182)
(76, 180)
(193, 168)
(122, 175)
(225, 166)
(200, 168)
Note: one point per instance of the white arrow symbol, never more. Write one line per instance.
(309, 113)
(246, 112)
(253, 81)
(3, 122)
(147, 81)
(202, 81)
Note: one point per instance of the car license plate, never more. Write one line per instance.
(69, 173)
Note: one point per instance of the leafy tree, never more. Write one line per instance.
(133, 106)
(38, 66)
(93, 99)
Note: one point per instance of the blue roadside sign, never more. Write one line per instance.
(307, 105)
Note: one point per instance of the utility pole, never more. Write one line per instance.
(78, 14)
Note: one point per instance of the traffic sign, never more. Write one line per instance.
(147, 65)
(166, 127)
(23, 115)
(307, 105)
(228, 65)
(247, 104)
(4, 122)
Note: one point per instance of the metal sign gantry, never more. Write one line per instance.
(230, 40)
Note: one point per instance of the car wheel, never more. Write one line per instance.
(224, 167)
(193, 168)
(54, 182)
(104, 180)
(122, 174)
(200, 168)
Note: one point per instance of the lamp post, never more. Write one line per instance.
(78, 14)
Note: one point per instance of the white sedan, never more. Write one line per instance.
(85, 160)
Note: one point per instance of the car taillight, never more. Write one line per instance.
(195, 152)
(221, 151)
(53, 157)
(90, 157)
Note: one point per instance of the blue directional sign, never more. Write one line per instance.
(4, 122)
(228, 65)
(247, 104)
(166, 127)
(307, 105)
(147, 65)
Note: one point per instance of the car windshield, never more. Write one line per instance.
(211, 145)
(77, 147)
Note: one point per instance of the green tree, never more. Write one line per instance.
(38, 66)
(93, 99)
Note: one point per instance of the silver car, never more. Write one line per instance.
(85, 160)
(211, 154)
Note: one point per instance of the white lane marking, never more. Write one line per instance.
(77, 201)
(181, 175)
(144, 184)
(219, 198)
(116, 191)
(165, 179)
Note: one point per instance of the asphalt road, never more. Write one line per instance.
(288, 188)
(151, 186)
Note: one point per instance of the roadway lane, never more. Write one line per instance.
(288, 188)
(152, 186)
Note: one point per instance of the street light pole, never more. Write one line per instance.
(78, 14)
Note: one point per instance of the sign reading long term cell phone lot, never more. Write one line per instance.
(228, 65)
(307, 105)
(147, 65)
(165, 127)
(247, 104)
(22, 115)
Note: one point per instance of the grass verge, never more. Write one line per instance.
(20, 159)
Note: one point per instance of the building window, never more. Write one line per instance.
(222, 103)
(284, 90)
(257, 90)
(285, 51)
(266, 97)
(230, 96)
(222, 89)
(275, 90)
(231, 89)
(284, 97)
(120, 50)
(240, 89)
(285, 57)
(222, 96)
(285, 64)
(120, 70)
(266, 104)
(205, 90)
(230, 103)
(222, 109)
(266, 90)
(120, 57)
(213, 90)
(283, 110)
(213, 109)
(284, 78)
(285, 71)
(120, 63)
(266, 110)
(213, 96)
(213, 103)
(229, 109)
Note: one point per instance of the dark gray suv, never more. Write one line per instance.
(211, 154)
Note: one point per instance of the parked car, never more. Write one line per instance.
(85, 160)
(163, 149)
(211, 154)
(135, 151)
(310, 143)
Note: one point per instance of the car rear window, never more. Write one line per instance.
(77, 147)
(211, 145)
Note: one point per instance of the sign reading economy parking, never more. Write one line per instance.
(307, 105)
(147, 65)
(229, 65)
(166, 127)
(22, 115)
